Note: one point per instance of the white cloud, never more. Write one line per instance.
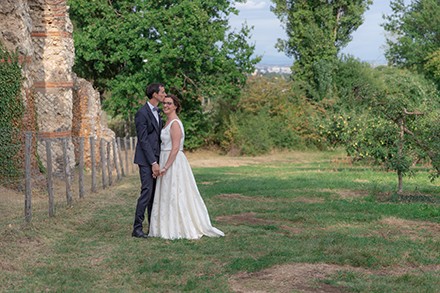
(251, 5)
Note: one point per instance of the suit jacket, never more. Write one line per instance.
(148, 137)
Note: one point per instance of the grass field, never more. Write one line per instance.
(294, 222)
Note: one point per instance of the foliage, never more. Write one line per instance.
(271, 115)
(387, 116)
(432, 66)
(317, 31)
(124, 45)
(11, 114)
(356, 84)
(414, 40)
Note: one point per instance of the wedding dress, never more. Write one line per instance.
(178, 209)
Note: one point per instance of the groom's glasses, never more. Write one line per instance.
(168, 103)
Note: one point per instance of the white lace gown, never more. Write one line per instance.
(178, 209)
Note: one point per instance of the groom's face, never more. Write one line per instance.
(161, 94)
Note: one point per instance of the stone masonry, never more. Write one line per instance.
(41, 32)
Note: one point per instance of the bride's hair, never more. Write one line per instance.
(176, 102)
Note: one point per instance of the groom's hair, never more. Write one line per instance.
(176, 102)
(153, 88)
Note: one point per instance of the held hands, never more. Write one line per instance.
(163, 171)
(155, 168)
(157, 171)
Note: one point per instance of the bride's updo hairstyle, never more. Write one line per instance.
(176, 102)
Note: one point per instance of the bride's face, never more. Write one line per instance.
(168, 106)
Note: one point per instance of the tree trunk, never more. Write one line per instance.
(400, 154)
(400, 183)
(335, 29)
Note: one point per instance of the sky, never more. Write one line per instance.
(368, 41)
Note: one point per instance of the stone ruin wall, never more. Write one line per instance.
(41, 32)
(88, 120)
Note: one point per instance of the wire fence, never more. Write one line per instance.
(41, 166)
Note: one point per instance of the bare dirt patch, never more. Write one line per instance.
(305, 277)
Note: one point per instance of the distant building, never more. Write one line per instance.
(275, 69)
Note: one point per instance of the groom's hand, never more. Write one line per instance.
(155, 168)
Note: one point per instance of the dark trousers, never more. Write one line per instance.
(146, 197)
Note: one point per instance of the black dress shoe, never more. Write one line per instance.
(139, 234)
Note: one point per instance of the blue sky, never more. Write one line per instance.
(368, 43)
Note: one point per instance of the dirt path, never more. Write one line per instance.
(205, 158)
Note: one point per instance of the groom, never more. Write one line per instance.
(148, 127)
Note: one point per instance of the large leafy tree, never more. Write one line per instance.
(317, 30)
(122, 45)
(414, 36)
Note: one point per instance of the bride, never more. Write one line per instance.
(178, 209)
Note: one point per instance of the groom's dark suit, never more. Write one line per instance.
(147, 152)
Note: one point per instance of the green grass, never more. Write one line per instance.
(317, 211)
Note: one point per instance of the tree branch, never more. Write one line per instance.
(111, 4)
(412, 113)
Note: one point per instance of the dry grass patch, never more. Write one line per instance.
(361, 180)
(207, 158)
(244, 218)
(11, 202)
(238, 196)
(415, 230)
(347, 193)
(305, 277)
(304, 199)
(299, 277)
(252, 219)
(244, 197)
(17, 249)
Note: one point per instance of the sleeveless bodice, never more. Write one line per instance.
(165, 136)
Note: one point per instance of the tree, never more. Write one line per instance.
(317, 30)
(414, 36)
(391, 117)
(122, 45)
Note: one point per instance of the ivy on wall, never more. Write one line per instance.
(11, 117)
